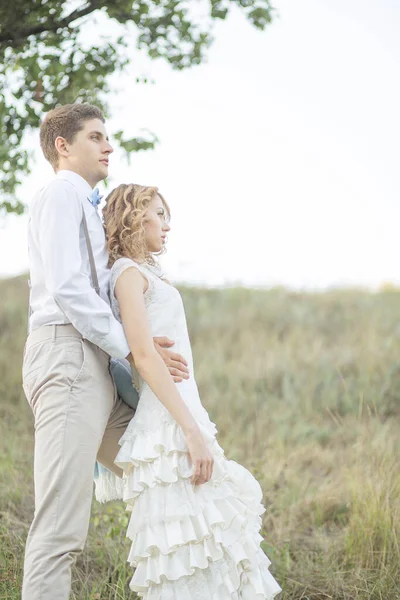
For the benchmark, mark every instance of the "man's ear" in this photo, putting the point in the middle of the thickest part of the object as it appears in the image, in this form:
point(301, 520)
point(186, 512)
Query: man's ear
point(61, 145)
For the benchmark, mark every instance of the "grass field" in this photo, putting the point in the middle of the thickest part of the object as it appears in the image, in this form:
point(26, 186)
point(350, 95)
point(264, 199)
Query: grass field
point(305, 391)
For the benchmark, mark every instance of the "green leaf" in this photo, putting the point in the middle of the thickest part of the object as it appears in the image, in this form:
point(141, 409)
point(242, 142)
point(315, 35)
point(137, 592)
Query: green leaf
point(45, 61)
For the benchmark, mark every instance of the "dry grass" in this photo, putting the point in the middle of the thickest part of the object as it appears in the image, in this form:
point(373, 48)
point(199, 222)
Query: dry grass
point(305, 391)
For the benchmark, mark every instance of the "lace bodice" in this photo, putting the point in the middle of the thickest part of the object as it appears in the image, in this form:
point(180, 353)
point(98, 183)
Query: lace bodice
point(164, 306)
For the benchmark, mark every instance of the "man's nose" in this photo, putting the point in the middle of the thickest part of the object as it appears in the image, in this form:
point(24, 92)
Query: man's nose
point(109, 149)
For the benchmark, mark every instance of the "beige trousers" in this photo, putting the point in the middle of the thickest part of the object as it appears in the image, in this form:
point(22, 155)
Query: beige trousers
point(78, 418)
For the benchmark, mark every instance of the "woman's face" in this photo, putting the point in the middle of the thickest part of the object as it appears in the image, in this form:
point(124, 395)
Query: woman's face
point(156, 225)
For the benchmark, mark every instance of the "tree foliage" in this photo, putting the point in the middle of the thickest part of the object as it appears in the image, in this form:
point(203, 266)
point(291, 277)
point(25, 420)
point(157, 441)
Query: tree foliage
point(45, 61)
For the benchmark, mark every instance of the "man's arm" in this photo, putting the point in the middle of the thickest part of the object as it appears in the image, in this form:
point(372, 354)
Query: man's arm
point(176, 364)
point(59, 221)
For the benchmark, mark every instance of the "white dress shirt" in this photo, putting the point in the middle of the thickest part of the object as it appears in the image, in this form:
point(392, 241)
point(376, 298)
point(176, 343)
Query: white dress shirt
point(61, 290)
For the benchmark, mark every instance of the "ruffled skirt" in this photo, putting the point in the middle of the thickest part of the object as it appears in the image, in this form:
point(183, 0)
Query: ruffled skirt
point(188, 542)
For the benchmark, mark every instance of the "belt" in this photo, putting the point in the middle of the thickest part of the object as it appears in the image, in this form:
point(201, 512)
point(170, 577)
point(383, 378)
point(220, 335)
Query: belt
point(48, 332)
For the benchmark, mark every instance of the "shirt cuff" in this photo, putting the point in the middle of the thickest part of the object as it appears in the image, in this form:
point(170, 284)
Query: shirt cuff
point(115, 344)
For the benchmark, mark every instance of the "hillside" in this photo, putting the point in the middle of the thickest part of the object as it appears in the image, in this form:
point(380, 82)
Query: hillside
point(305, 392)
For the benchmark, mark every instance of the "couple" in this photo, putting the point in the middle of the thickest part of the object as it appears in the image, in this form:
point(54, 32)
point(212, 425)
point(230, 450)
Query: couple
point(195, 516)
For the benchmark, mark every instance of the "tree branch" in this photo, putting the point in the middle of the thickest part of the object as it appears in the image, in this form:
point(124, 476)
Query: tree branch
point(15, 37)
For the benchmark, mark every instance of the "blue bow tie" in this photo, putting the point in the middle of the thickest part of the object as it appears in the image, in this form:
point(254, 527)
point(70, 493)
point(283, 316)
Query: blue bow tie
point(95, 197)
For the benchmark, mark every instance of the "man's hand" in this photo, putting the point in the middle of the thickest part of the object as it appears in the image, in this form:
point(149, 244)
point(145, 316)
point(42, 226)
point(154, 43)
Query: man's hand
point(176, 364)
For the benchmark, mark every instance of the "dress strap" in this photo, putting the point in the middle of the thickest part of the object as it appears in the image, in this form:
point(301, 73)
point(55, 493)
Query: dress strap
point(124, 263)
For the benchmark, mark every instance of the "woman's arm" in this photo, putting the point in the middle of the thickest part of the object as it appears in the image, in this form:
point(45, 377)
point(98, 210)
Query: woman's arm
point(129, 291)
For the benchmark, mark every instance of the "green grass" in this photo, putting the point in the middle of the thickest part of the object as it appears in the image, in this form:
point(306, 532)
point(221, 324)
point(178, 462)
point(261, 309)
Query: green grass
point(305, 391)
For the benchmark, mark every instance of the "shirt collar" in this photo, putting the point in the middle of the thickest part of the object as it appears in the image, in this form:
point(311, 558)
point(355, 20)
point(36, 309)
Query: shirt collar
point(76, 180)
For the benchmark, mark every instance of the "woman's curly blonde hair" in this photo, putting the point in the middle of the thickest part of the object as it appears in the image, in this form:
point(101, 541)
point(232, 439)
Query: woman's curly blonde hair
point(124, 219)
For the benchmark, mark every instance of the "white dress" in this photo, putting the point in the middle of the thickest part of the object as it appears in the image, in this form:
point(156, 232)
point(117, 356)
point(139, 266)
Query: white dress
point(188, 542)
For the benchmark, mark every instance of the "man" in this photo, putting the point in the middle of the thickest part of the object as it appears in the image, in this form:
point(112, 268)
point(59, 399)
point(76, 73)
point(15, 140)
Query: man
point(66, 376)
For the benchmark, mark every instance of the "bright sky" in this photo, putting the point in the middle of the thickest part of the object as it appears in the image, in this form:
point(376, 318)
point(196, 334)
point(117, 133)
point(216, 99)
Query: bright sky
point(279, 156)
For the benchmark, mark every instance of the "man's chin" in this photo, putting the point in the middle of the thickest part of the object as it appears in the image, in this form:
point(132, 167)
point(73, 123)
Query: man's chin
point(103, 173)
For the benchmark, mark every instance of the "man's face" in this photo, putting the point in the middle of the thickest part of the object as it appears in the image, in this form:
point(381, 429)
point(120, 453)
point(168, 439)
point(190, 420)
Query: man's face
point(89, 152)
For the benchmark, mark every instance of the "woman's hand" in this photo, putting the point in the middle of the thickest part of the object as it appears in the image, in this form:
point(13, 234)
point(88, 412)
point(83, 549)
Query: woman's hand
point(202, 459)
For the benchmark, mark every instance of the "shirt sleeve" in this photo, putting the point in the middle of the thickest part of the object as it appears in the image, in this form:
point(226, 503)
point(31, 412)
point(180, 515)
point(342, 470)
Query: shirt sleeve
point(59, 223)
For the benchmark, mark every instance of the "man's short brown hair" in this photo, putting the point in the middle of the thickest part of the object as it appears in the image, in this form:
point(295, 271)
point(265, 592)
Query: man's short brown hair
point(65, 121)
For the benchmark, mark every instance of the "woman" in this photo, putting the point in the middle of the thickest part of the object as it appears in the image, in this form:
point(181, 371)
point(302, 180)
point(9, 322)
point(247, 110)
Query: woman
point(196, 516)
